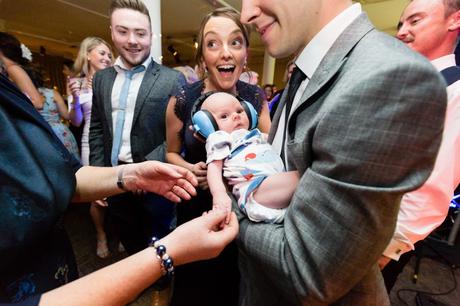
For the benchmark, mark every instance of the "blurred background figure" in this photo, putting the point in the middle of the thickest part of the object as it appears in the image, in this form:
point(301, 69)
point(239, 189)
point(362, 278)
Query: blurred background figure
point(94, 54)
point(54, 111)
point(273, 104)
point(269, 91)
point(15, 63)
point(190, 75)
point(250, 77)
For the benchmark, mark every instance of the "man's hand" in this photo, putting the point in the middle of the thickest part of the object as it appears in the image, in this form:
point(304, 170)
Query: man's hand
point(201, 238)
point(383, 261)
point(172, 182)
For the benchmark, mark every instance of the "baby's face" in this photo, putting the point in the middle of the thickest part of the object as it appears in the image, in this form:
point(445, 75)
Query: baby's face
point(227, 111)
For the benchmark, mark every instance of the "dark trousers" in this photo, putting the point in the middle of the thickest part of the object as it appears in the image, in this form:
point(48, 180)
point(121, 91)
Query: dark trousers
point(136, 218)
point(394, 268)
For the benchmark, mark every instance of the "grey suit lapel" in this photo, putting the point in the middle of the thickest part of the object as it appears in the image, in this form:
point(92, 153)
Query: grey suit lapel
point(277, 115)
point(151, 75)
point(335, 58)
point(107, 86)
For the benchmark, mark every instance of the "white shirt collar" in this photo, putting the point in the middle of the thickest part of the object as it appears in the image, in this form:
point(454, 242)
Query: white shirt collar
point(120, 65)
point(444, 62)
point(314, 52)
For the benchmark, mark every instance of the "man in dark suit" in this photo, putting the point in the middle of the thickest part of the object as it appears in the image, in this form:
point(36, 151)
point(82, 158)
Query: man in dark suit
point(363, 128)
point(128, 121)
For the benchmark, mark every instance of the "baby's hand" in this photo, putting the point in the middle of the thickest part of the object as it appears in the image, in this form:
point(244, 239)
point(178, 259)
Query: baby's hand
point(223, 202)
point(265, 136)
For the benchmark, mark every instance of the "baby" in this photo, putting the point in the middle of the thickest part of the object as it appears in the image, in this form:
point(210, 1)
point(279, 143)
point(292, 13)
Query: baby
point(247, 161)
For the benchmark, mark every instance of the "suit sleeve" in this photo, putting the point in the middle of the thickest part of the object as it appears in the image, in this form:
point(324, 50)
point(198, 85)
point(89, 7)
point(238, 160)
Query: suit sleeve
point(96, 133)
point(375, 137)
point(424, 209)
point(159, 153)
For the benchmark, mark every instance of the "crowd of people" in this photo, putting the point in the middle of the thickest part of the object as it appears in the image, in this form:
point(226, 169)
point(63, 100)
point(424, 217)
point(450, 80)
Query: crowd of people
point(223, 192)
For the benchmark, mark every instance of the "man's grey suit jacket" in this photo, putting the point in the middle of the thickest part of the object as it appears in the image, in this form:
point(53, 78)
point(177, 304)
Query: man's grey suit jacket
point(148, 131)
point(366, 132)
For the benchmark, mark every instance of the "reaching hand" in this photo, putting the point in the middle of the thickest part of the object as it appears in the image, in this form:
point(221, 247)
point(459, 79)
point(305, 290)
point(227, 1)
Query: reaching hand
point(201, 238)
point(172, 182)
point(383, 261)
point(200, 171)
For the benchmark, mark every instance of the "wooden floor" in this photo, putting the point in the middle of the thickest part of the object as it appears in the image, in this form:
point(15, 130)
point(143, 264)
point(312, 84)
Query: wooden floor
point(82, 235)
point(434, 276)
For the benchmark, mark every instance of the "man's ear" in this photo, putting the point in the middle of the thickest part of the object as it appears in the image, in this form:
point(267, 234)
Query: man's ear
point(454, 21)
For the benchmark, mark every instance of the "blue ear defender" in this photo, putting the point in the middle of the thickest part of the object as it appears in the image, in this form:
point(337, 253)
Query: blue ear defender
point(204, 123)
point(250, 112)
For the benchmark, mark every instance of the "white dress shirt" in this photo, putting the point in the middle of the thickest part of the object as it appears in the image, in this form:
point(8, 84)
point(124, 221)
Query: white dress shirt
point(310, 58)
point(120, 67)
point(424, 209)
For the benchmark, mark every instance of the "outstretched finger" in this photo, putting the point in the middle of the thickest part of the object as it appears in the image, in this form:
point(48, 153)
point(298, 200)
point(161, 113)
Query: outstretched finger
point(187, 186)
point(186, 174)
point(172, 197)
point(178, 193)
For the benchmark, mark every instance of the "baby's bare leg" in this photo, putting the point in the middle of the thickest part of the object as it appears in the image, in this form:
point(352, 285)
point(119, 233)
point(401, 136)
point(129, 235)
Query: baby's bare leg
point(276, 190)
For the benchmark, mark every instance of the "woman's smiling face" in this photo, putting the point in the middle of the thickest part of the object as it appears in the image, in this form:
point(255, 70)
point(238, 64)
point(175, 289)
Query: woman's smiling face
point(224, 53)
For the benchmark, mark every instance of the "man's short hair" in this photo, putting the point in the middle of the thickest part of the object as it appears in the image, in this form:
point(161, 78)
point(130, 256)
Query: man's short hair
point(135, 5)
point(451, 6)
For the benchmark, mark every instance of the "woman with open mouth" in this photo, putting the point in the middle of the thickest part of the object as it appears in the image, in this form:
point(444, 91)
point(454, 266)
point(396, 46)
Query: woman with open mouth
point(222, 51)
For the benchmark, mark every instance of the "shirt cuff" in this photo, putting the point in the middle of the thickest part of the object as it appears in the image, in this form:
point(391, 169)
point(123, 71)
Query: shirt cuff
point(396, 248)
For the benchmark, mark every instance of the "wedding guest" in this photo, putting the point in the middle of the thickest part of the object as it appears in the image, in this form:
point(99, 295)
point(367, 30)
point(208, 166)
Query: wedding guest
point(362, 122)
point(189, 73)
point(16, 58)
point(55, 111)
point(221, 55)
point(95, 54)
point(35, 254)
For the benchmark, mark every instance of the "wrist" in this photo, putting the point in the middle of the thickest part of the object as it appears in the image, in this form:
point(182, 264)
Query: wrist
point(166, 261)
point(120, 180)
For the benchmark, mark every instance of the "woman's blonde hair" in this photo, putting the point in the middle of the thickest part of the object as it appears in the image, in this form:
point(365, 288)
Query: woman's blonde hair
point(81, 65)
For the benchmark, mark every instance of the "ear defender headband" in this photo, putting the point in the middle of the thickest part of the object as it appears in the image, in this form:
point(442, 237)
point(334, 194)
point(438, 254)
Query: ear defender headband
point(204, 123)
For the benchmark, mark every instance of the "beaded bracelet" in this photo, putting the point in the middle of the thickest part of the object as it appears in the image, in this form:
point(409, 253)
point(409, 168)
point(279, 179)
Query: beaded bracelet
point(167, 264)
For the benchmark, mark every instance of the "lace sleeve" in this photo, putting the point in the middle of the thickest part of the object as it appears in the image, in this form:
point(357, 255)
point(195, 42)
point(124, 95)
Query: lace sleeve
point(180, 107)
point(251, 93)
